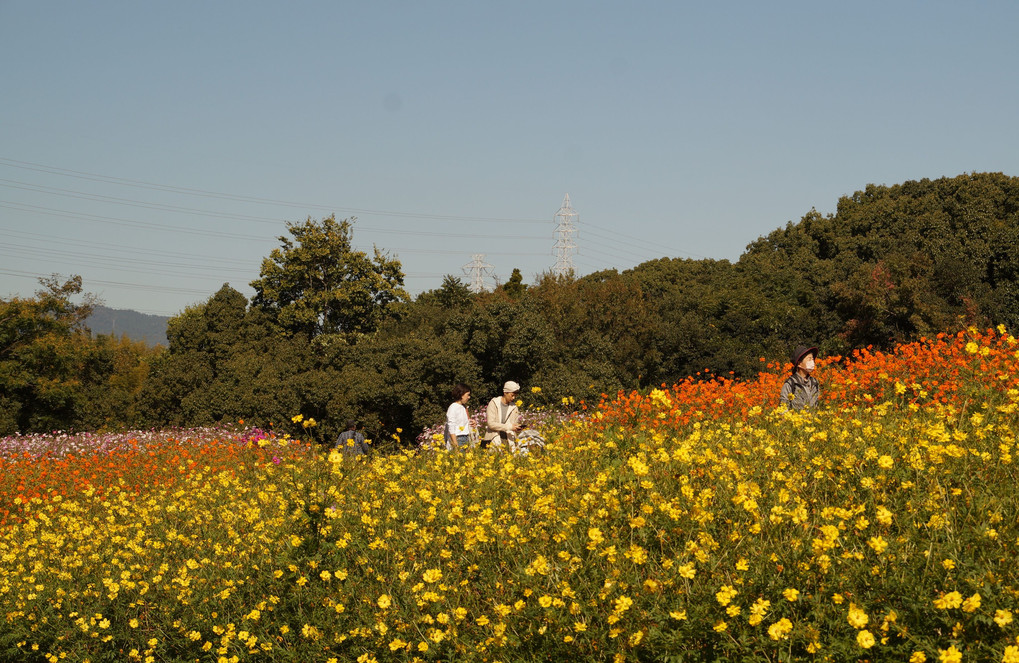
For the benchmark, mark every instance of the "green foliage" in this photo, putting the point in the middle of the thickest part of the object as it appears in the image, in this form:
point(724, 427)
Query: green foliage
point(912, 259)
point(113, 374)
point(316, 283)
point(453, 293)
point(54, 375)
point(515, 286)
point(331, 333)
point(40, 366)
point(227, 362)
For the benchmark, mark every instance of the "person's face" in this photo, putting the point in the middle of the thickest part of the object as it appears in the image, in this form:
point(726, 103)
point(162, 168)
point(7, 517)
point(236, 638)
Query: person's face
point(508, 397)
point(466, 397)
point(807, 363)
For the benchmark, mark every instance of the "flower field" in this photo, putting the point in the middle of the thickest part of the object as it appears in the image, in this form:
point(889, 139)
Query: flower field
point(695, 522)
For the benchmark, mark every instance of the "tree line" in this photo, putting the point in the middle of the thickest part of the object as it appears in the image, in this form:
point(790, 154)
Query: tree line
point(332, 334)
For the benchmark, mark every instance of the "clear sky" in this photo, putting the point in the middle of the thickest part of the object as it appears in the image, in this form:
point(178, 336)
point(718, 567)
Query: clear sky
point(157, 149)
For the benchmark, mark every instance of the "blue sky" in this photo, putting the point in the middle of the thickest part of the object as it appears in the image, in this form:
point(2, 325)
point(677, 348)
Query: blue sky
point(157, 149)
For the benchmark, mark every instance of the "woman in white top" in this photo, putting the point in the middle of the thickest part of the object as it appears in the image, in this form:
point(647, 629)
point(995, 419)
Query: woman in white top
point(458, 425)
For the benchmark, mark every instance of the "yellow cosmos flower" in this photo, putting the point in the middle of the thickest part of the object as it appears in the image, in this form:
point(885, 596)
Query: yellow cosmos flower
point(791, 594)
point(948, 601)
point(857, 618)
point(878, 544)
point(384, 601)
point(950, 655)
point(760, 607)
point(1002, 618)
point(725, 595)
point(865, 639)
point(780, 629)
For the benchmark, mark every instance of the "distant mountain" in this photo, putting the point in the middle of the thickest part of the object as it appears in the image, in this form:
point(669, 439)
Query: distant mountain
point(136, 326)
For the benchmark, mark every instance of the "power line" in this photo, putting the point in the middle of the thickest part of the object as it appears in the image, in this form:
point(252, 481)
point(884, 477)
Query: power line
point(65, 172)
point(565, 248)
point(118, 284)
point(24, 207)
point(653, 246)
point(121, 263)
point(54, 170)
point(132, 250)
point(241, 217)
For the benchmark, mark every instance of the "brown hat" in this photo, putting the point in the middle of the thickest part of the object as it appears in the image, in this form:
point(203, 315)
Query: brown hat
point(801, 352)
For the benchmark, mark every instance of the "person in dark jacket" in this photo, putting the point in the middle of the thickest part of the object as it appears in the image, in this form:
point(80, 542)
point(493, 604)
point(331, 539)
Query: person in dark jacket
point(351, 442)
point(801, 389)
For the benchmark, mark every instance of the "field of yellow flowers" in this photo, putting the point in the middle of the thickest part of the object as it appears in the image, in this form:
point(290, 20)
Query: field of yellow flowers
point(696, 522)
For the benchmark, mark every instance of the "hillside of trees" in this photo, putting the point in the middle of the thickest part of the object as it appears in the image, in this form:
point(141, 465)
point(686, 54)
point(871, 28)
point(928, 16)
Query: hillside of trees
point(122, 322)
point(332, 334)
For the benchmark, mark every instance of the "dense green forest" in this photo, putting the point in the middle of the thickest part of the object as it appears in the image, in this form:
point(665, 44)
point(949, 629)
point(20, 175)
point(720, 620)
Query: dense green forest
point(332, 334)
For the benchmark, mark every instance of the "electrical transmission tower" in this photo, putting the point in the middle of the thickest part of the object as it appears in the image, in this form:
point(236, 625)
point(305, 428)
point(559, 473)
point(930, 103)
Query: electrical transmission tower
point(476, 270)
point(564, 246)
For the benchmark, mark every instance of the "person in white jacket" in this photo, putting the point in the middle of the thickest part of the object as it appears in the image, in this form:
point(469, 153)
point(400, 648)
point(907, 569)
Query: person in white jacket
point(503, 416)
point(458, 424)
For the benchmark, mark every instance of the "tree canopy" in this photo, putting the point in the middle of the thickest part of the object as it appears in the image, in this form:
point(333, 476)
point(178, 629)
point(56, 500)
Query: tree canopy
point(332, 334)
point(317, 283)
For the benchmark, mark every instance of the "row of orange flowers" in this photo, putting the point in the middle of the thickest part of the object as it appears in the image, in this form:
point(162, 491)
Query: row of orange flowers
point(131, 462)
point(931, 372)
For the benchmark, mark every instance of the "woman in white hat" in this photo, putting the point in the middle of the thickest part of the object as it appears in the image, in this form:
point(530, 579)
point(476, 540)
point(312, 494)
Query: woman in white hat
point(503, 416)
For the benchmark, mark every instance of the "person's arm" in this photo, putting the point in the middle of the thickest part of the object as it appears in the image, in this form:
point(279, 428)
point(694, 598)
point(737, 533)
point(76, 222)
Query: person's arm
point(514, 419)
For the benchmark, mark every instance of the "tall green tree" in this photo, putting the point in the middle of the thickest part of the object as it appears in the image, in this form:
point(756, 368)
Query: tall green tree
point(515, 287)
point(318, 284)
point(41, 339)
point(226, 361)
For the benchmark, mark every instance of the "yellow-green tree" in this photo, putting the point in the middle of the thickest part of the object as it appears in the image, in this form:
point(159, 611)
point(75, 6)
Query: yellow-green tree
point(317, 283)
point(40, 362)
